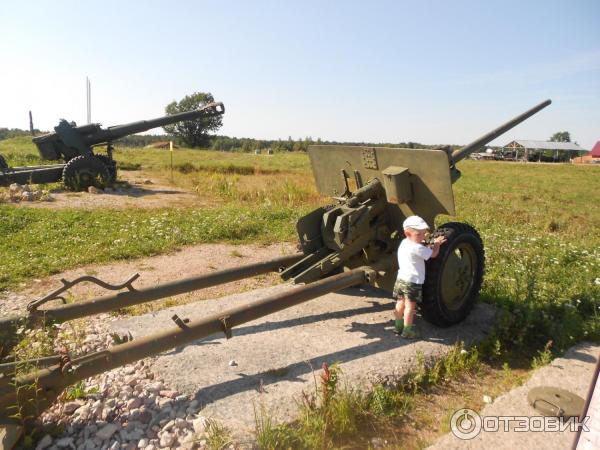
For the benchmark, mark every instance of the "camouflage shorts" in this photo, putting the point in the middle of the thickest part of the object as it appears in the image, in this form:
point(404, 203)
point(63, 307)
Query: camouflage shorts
point(412, 291)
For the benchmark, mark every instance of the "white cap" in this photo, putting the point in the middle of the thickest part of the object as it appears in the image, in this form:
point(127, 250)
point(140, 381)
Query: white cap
point(416, 223)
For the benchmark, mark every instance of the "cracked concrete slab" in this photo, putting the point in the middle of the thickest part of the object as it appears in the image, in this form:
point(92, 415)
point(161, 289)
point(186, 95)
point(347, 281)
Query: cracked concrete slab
point(277, 357)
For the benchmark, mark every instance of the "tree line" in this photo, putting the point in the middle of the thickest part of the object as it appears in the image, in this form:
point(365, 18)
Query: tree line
point(7, 133)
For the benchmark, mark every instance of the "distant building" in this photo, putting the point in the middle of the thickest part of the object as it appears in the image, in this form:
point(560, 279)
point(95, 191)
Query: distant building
point(592, 157)
point(525, 150)
point(487, 155)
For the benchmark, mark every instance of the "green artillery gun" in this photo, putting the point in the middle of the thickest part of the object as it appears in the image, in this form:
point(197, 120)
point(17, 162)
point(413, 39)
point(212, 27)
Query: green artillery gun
point(75, 146)
point(348, 243)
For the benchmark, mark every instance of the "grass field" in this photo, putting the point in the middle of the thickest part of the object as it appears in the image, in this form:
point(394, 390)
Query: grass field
point(539, 224)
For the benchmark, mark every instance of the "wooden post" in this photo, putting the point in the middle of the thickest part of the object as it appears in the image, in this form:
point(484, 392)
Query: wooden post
point(171, 152)
point(31, 124)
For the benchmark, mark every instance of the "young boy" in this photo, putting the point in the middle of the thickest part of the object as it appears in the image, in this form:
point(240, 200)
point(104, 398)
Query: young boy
point(408, 289)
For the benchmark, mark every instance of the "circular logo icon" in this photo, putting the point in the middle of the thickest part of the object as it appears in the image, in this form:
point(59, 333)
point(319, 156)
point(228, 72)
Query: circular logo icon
point(465, 424)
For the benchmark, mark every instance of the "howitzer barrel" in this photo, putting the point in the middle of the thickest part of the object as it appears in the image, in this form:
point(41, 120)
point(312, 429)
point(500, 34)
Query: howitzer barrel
point(36, 391)
point(465, 151)
point(119, 131)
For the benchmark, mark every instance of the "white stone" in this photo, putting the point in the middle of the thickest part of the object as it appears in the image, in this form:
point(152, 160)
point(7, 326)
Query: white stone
point(169, 393)
point(106, 412)
point(84, 412)
point(154, 387)
point(166, 440)
point(134, 403)
point(187, 441)
point(168, 425)
point(142, 443)
point(199, 425)
point(232, 363)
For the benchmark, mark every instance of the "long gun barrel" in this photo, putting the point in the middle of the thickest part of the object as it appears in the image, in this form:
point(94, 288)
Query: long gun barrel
point(119, 131)
point(465, 151)
point(70, 140)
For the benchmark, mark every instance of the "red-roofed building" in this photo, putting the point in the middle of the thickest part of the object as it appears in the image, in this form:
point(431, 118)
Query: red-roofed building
point(592, 157)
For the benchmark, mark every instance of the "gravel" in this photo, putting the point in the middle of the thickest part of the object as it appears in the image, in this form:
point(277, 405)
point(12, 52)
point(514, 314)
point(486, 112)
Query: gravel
point(126, 408)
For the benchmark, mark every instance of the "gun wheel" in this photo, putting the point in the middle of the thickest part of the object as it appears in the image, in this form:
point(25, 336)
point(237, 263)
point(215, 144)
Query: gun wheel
point(84, 171)
point(111, 165)
point(454, 278)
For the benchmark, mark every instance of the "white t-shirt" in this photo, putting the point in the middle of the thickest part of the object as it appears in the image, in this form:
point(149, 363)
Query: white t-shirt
point(411, 261)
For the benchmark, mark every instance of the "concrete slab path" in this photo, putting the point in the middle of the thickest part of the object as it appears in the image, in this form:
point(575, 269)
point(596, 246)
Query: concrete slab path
point(572, 372)
point(277, 357)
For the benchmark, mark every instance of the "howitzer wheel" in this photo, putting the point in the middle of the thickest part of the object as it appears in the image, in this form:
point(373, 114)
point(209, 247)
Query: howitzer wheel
point(111, 165)
point(454, 277)
point(84, 171)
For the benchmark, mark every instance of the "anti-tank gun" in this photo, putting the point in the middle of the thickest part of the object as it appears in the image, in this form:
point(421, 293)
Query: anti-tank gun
point(362, 228)
point(348, 243)
point(83, 167)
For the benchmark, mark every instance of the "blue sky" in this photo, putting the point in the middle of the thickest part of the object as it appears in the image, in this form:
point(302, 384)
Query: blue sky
point(429, 71)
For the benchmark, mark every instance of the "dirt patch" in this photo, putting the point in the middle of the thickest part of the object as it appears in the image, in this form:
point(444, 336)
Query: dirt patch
point(187, 262)
point(144, 191)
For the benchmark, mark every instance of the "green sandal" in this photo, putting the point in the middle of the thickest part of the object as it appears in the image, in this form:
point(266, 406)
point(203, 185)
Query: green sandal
point(409, 332)
point(398, 326)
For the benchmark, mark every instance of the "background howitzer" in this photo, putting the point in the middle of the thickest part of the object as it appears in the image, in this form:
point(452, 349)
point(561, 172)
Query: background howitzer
point(351, 242)
point(75, 146)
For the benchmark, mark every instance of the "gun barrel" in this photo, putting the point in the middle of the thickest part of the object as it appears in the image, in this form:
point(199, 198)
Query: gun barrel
point(119, 131)
point(465, 151)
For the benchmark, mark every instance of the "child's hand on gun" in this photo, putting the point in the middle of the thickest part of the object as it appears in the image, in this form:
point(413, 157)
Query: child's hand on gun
point(439, 240)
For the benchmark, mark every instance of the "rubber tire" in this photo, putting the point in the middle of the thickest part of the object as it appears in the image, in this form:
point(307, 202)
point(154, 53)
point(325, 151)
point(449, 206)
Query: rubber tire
point(111, 165)
point(3, 164)
point(433, 308)
point(84, 171)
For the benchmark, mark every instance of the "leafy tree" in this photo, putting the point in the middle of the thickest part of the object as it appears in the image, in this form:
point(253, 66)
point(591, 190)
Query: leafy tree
point(561, 136)
point(194, 132)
